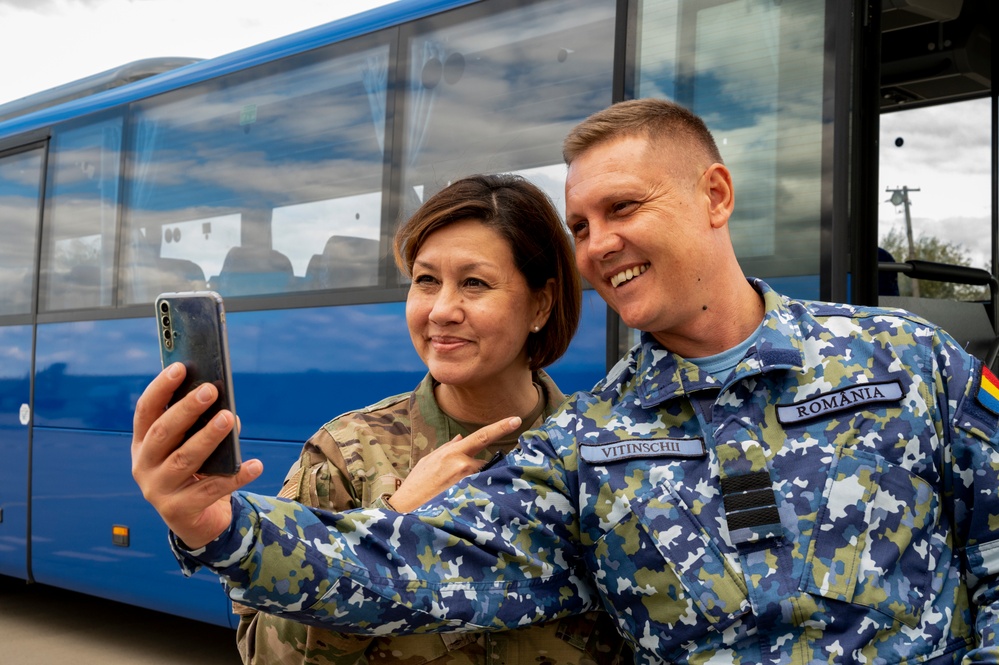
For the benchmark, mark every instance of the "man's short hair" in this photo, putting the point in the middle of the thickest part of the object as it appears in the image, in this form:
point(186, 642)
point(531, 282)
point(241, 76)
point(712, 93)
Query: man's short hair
point(660, 120)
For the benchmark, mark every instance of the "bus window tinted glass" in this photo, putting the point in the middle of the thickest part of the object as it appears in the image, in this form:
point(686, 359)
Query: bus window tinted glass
point(78, 239)
point(243, 183)
point(754, 71)
point(20, 184)
point(495, 93)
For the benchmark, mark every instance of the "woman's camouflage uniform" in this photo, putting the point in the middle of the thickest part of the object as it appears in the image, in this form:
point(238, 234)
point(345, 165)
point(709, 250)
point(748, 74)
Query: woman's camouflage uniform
point(358, 460)
point(835, 500)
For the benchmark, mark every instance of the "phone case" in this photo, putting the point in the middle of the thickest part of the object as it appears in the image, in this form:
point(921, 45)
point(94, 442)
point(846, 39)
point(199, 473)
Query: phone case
point(192, 330)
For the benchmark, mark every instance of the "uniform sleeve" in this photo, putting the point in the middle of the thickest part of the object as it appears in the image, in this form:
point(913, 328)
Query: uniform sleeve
point(319, 478)
point(249, 619)
point(973, 491)
point(498, 551)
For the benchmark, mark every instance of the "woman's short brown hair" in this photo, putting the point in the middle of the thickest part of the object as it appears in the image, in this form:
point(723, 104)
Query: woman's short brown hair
point(525, 216)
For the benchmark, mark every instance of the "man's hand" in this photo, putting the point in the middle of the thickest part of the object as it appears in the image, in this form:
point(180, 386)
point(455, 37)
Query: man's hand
point(448, 464)
point(196, 508)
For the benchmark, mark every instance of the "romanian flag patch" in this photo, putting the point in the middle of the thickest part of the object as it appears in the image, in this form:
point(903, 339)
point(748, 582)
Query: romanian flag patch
point(988, 391)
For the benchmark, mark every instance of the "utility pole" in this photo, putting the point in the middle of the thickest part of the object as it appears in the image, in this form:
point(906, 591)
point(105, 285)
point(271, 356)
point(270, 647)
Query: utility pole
point(900, 197)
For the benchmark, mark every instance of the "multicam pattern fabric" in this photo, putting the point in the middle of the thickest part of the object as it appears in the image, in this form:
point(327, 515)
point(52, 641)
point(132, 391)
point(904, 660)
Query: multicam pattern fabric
point(358, 460)
point(858, 427)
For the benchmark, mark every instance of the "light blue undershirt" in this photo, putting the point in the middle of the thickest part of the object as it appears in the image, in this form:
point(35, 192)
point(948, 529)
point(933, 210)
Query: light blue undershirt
point(720, 365)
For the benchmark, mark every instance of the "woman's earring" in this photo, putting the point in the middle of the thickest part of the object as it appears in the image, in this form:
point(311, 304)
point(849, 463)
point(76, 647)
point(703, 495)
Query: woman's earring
point(537, 328)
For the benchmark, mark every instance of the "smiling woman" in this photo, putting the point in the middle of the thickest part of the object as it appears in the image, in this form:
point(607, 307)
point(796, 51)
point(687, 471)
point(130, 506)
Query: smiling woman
point(470, 313)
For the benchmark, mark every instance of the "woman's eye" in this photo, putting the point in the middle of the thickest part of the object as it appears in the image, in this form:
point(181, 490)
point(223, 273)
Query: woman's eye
point(474, 282)
point(423, 279)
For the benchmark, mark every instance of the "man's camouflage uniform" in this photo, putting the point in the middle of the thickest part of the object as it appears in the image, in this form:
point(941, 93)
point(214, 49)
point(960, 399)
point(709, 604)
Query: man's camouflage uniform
point(835, 500)
point(358, 460)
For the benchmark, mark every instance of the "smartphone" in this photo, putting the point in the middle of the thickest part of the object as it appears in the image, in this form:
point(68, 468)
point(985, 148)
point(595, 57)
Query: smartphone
point(192, 330)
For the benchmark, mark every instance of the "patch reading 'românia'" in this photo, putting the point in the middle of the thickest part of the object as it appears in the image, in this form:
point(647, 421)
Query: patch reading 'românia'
point(843, 399)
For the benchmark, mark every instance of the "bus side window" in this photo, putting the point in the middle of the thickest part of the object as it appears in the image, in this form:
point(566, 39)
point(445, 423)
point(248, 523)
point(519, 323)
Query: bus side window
point(254, 270)
point(346, 262)
point(20, 182)
point(177, 275)
point(80, 229)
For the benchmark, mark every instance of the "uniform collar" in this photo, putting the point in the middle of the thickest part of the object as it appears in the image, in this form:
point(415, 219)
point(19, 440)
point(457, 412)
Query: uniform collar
point(429, 423)
point(662, 374)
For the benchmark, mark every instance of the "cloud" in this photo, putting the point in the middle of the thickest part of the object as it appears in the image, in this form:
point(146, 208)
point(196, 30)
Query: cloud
point(945, 155)
point(47, 6)
point(950, 138)
point(141, 29)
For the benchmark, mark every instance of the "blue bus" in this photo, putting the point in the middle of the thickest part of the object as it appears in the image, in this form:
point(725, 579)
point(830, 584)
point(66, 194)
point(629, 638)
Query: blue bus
point(277, 174)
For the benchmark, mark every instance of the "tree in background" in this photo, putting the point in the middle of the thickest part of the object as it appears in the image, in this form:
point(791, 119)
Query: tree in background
point(930, 248)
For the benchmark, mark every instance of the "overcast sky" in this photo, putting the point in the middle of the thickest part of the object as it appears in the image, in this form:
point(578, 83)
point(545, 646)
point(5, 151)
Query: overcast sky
point(44, 43)
point(945, 154)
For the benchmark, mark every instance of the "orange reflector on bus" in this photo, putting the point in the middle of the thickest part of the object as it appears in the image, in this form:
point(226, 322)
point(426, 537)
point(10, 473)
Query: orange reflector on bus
point(119, 535)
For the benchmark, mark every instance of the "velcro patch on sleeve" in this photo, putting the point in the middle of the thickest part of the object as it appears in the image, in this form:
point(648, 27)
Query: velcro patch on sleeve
point(988, 391)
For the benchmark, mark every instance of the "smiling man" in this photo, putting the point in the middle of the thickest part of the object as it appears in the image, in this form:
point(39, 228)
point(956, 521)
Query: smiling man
point(759, 480)
point(650, 220)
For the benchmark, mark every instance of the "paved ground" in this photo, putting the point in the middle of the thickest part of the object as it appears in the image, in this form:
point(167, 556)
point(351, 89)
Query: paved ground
point(40, 625)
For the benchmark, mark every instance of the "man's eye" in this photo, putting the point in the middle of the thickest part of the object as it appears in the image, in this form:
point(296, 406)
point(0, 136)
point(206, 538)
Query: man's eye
point(622, 206)
point(578, 229)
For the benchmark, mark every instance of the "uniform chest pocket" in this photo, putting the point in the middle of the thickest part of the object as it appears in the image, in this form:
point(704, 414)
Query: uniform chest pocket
point(666, 577)
point(875, 542)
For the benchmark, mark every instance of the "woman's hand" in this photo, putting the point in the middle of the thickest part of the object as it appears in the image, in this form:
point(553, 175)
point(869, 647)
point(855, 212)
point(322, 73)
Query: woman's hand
point(448, 464)
point(196, 508)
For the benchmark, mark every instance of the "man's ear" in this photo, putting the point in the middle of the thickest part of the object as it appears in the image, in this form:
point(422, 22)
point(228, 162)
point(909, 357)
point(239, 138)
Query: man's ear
point(721, 195)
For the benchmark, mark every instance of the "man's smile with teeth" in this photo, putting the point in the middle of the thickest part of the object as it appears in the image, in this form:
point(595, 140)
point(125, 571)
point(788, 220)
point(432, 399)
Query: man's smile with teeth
point(628, 274)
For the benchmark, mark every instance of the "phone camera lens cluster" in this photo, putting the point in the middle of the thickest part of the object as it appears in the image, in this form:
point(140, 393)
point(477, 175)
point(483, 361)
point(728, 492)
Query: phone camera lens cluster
point(165, 325)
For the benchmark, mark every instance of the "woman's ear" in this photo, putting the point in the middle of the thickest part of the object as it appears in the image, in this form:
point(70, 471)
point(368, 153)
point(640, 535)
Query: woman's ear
point(544, 301)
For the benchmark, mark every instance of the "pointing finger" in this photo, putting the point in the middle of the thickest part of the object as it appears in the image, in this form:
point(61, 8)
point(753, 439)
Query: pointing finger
point(478, 440)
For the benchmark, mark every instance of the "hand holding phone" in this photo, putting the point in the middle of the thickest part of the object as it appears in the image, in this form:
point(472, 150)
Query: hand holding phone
point(192, 330)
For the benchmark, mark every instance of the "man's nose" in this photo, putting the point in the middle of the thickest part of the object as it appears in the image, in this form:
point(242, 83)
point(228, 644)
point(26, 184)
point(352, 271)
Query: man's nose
point(602, 241)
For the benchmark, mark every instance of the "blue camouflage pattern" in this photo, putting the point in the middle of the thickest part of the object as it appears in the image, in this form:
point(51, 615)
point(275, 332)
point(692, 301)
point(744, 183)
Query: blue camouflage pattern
point(834, 500)
point(359, 459)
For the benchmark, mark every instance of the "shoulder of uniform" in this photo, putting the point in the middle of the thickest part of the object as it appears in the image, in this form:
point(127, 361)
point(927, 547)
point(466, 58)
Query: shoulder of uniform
point(578, 405)
point(385, 404)
point(820, 309)
point(372, 411)
point(622, 372)
point(381, 423)
point(871, 319)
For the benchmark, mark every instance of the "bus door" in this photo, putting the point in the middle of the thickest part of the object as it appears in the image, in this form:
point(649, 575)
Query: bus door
point(21, 173)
